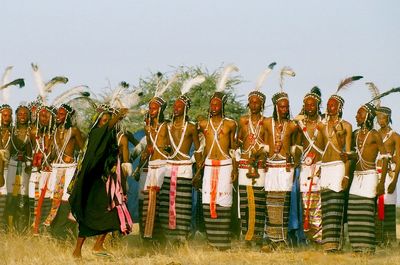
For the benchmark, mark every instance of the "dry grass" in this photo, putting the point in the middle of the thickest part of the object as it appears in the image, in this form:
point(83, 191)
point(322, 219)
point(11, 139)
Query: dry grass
point(16, 249)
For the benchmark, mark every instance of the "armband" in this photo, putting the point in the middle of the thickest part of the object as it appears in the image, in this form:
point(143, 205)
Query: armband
point(265, 148)
point(387, 156)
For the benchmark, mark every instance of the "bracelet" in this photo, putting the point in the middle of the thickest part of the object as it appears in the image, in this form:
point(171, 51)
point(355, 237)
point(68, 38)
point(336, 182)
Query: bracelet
point(346, 177)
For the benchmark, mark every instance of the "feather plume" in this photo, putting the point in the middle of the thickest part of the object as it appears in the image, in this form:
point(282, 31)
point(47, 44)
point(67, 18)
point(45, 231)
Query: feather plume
point(188, 84)
point(374, 92)
point(78, 91)
point(221, 84)
point(347, 82)
point(54, 81)
point(131, 99)
point(286, 71)
point(384, 94)
point(38, 79)
point(4, 78)
point(264, 75)
point(161, 89)
point(139, 148)
point(17, 82)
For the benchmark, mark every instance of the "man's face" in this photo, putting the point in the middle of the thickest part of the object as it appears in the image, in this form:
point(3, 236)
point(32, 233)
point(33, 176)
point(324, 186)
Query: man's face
point(154, 109)
point(361, 115)
point(333, 107)
point(179, 108)
point(61, 115)
point(383, 119)
point(255, 104)
point(44, 117)
point(215, 106)
point(310, 106)
point(6, 117)
point(22, 116)
point(104, 119)
point(283, 108)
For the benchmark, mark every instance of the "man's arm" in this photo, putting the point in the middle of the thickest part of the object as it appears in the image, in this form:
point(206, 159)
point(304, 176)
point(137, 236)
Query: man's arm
point(78, 137)
point(396, 160)
point(380, 189)
point(347, 148)
point(232, 134)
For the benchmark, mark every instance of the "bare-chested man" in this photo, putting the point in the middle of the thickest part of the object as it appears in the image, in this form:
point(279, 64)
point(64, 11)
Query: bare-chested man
point(252, 140)
point(334, 172)
point(219, 133)
point(157, 154)
point(311, 144)
point(5, 134)
point(176, 191)
point(66, 140)
point(386, 228)
point(42, 136)
point(366, 183)
point(281, 138)
point(19, 168)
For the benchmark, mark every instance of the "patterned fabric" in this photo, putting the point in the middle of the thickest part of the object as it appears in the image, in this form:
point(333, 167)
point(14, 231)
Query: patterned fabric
point(218, 230)
point(278, 204)
point(312, 216)
point(183, 208)
point(252, 212)
point(332, 219)
point(361, 220)
point(386, 229)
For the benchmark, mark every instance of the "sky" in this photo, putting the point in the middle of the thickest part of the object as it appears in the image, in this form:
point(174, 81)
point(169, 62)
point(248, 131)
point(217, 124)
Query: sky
point(102, 42)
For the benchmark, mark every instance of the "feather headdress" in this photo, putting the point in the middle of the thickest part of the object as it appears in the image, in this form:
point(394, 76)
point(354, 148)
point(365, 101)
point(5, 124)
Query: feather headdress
point(223, 79)
point(161, 89)
point(5, 84)
point(342, 85)
point(286, 71)
point(75, 92)
point(386, 93)
point(263, 76)
point(374, 92)
point(186, 86)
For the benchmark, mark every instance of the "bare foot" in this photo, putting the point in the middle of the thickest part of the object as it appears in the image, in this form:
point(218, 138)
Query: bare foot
point(77, 254)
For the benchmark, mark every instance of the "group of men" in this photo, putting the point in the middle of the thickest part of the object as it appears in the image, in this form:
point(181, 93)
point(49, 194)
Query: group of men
point(246, 171)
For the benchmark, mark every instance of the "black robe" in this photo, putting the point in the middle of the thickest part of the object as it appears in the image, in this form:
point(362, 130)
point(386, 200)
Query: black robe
point(89, 200)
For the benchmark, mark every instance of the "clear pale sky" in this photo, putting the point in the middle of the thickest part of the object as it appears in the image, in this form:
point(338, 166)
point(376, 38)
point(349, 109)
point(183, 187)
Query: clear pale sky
point(96, 42)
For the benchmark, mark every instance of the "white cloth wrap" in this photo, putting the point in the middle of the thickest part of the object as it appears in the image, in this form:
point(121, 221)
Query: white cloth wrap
point(156, 173)
point(364, 183)
point(184, 168)
point(143, 176)
point(11, 173)
point(56, 174)
point(40, 178)
point(332, 174)
point(3, 190)
point(277, 178)
point(245, 181)
point(224, 185)
point(305, 179)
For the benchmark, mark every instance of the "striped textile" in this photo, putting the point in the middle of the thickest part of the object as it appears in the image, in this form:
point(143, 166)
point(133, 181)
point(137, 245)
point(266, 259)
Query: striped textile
point(386, 230)
point(361, 221)
point(183, 207)
point(154, 222)
point(332, 219)
point(312, 216)
point(3, 199)
point(277, 217)
point(16, 212)
point(218, 229)
point(259, 213)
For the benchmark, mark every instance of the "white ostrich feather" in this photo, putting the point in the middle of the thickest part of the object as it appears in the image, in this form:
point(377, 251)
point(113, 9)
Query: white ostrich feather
point(188, 84)
point(161, 89)
point(131, 99)
point(67, 95)
point(139, 148)
point(48, 88)
point(6, 75)
point(286, 71)
point(221, 84)
point(264, 76)
point(38, 79)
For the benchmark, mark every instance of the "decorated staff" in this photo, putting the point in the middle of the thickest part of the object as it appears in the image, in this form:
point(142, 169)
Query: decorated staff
point(281, 132)
point(219, 132)
point(176, 191)
point(310, 143)
point(334, 172)
point(252, 140)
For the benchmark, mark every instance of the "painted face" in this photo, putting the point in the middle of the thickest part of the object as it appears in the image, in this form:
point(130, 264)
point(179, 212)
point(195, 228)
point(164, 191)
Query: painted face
point(179, 108)
point(61, 115)
point(332, 107)
point(255, 104)
point(383, 119)
point(154, 109)
point(283, 108)
point(310, 106)
point(104, 119)
point(215, 106)
point(6, 117)
point(361, 115)
point(44, 117)
point(22, 116)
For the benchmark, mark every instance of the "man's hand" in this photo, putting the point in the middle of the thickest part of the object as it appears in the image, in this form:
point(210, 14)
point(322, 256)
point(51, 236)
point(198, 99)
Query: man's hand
point(234, 175)
point(345, 183)
point(344, 156)
point(392, 187)
point(197, 181)
point(380, 189)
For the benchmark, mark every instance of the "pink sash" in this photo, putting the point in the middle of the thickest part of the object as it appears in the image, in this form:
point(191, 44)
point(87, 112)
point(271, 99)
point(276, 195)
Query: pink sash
point(172, 196)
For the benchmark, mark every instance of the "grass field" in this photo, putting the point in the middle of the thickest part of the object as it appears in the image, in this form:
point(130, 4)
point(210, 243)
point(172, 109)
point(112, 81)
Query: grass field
point(19, 249)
